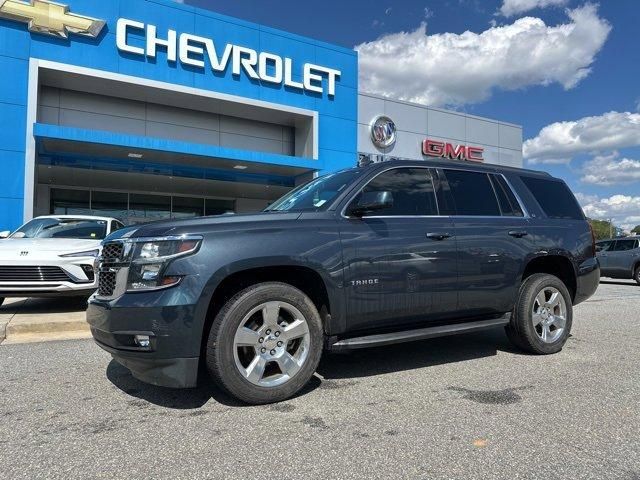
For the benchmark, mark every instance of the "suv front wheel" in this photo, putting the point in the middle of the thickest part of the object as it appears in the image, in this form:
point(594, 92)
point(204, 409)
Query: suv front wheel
point(636, 275)
point(542, 318)
point(265, 343)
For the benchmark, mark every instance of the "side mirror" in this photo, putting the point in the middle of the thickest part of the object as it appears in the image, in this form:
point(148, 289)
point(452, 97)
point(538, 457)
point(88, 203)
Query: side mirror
point(5, 234)
point(372, 201)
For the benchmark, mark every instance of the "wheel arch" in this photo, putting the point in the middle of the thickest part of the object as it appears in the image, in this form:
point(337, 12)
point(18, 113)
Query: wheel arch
point(557, 265)
point(309, 278)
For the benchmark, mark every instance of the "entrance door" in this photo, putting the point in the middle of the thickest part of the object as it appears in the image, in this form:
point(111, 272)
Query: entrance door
point(401, 260)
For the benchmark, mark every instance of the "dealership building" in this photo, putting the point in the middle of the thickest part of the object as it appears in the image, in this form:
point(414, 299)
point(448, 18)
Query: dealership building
point(148, 109)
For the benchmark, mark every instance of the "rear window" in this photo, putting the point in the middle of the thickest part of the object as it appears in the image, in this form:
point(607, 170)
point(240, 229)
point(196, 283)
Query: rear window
point(554, 197)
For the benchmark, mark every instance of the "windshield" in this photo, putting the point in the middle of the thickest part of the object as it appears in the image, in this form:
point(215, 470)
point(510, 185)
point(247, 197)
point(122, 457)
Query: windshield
point(316, 194)
point(62, 228)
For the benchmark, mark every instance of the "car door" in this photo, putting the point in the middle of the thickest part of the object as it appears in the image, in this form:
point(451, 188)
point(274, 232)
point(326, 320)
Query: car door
point(400, 262)
point(621, 257)
point(492, 238)
point(602, 254)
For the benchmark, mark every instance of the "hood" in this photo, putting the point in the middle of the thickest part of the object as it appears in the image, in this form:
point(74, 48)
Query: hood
point(38, 247)
point(202, 224)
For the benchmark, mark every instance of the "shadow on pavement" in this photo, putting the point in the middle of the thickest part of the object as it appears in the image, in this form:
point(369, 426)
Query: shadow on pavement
point(413, 355)
point(333, 367)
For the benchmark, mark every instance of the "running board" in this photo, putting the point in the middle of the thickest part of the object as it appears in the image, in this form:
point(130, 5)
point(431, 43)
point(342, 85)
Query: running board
point(419, 334)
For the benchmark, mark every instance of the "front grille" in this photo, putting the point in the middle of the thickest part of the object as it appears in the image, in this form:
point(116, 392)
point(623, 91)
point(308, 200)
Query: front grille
point(19, 273)
point(113, 251)
point(106, 282)
point(112, 260)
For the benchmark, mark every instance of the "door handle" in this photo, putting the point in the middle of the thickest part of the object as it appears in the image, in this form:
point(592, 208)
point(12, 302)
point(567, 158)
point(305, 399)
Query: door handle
point(438, 236)
point(518, 233)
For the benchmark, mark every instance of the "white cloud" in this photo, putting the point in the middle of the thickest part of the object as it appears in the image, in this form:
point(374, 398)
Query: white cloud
point(610, 170)
point(623, 209)
point(515, 7)
point(454, 69)
point(560, 141)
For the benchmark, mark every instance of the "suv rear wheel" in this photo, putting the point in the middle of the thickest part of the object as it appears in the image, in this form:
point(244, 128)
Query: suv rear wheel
point(265, 343)
point(542, 318)
point(636, 275)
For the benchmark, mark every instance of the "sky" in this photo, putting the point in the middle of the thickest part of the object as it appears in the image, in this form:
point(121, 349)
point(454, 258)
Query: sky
point(568, 71)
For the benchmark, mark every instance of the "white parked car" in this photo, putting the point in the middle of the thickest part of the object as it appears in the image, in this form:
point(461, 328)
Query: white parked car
point(52, 255)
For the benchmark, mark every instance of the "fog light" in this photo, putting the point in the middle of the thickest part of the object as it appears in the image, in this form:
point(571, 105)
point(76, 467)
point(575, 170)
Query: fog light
point(142, 341)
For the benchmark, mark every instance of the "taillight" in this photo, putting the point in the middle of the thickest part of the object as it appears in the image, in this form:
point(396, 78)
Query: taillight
point(593, 240)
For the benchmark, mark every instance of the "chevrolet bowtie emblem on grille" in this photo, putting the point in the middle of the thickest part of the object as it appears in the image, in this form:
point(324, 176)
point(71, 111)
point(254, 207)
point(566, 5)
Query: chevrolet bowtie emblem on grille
point(50, 18)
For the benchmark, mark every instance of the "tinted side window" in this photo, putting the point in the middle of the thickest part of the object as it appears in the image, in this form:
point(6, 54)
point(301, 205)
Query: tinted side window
point(116, 226)
point(603, 246)
point(624, 245)
point(554, 197)
point(472, 193)
point(508, 203)
point(411, 189)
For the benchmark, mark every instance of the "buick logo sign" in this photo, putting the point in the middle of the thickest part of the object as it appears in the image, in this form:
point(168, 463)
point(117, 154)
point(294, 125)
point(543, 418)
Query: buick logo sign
point(383, 132)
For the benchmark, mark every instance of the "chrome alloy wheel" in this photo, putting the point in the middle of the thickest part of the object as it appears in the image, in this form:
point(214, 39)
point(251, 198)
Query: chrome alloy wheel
point(549, 314)
point(271, 344)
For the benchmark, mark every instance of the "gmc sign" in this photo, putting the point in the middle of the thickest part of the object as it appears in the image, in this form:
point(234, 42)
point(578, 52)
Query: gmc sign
point(434, 148)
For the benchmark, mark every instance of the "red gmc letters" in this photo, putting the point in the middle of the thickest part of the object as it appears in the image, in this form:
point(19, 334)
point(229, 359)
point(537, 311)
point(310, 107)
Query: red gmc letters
point(434, 148)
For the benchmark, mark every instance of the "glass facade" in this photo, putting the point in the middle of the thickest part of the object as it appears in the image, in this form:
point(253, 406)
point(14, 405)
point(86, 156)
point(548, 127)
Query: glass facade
point(132, 208)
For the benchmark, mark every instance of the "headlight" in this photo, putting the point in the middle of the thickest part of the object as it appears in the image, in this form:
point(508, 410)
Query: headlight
point(87, 253)
point(150, 258)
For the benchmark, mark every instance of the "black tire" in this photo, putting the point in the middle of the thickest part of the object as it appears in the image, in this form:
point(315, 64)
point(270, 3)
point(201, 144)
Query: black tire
point(1, 301)
point(521, 331)
point(636, 274)
point(220, 354)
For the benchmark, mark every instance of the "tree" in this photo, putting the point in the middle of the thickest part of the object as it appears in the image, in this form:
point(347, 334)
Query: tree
point(602, 228)
point(636, 230)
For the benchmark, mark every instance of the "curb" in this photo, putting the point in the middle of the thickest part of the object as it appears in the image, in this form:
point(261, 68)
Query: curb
point(47, 337)
point(3, 330)
point(38, 320)
point(43, 327)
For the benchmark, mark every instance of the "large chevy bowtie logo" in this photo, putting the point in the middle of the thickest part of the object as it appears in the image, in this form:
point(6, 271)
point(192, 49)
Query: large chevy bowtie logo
point(50, 18)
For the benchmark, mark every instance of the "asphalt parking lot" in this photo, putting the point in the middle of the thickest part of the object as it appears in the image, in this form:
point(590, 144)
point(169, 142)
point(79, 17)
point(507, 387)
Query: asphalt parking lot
point(460, 407)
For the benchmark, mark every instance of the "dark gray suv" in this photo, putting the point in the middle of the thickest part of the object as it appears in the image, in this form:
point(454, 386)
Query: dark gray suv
point(370, 256)
point(620, 258)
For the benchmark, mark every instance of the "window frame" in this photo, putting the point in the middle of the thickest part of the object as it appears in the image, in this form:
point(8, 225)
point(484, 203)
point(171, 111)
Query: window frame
point(434, 180)
point(495, 183)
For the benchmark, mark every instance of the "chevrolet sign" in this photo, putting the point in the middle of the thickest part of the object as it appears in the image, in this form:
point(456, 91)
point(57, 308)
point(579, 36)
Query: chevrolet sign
point(50, 18)
point(192, 50)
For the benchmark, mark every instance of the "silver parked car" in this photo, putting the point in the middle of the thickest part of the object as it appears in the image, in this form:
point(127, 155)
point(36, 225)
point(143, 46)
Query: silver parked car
point(619, 257)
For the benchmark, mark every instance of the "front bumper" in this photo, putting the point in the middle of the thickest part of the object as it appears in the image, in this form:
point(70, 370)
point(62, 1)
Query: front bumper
point(172, 358)
point(163, 372)
point(73, 276)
